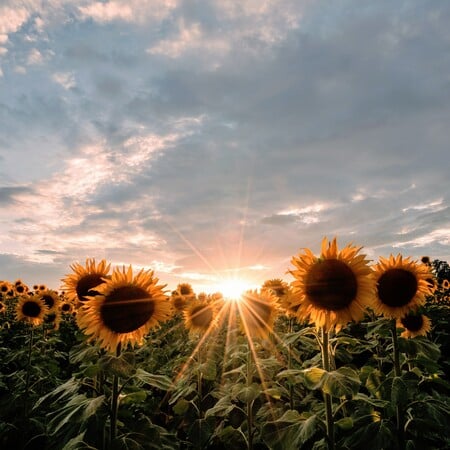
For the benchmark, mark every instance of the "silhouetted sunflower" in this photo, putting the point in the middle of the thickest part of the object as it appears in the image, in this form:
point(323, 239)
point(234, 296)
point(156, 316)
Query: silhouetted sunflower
point(401, 286)
point(333, 289)
point(199, 316)
point(82, 283)
point(258, 311)
point(414, 325)
point(125, 309)
point(31, 309)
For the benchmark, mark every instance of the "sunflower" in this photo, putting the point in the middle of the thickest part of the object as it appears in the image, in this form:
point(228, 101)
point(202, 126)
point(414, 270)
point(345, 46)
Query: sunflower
point(414, 325)
point(199, 316)
point(432, 284)
point(51, 299)
point(278, 287)
point(5, 287)
point(82, 283)
point(66, 307)
point(445, 284)
point(31, 309)
point(52, 320)
point(426, 260)
point(333, 289)
point(402, 286)
point(258, 313)
point(21, 288)
point(185, 289)
point(178, 301)
point(2, 308)
point(125, 308)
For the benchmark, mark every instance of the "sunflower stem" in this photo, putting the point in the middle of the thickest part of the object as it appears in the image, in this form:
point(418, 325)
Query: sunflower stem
point(249, 403)
point(27, 377)
point(327, 397)
point(291, 385)
point(398, 373)
point(114, 402)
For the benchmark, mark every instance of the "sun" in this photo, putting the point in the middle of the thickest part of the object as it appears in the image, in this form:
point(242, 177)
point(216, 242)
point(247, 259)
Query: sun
point(233, 288)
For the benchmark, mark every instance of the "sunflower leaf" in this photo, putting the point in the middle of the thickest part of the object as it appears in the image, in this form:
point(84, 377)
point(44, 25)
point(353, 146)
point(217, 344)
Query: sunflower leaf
point(341, 382)
point(158, 381)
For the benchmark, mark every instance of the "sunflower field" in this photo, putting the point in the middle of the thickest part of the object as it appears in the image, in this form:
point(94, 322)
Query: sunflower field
point(346, 354)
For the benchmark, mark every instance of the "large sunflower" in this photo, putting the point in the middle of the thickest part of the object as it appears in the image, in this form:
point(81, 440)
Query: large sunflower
point(414, 325)
point(31, 309)
point(401, 286)
point(125, 308)
point(199, 316)
point(258, 313)
point(82, 283)
point(333, 289)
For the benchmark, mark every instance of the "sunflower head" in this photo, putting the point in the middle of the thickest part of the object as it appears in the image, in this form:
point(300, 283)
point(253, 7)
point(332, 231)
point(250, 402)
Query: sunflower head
point(277, 286)
point(50, 298)
point(31, 309)
point(84, 280)
point(401, 286)
point(185, 289)
point(125, 309)
point(199, 317)
point(258, 311)
point(21, 288)
point(426, 260)
point(66, 307)
point(5, 287)
point(333, 289)
point(178, 302)
point(414, 324)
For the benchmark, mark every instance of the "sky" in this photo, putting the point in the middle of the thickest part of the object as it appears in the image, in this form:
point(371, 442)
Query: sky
point(218, 138)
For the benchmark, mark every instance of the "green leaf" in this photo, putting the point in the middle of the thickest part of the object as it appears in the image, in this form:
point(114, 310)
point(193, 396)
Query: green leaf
point(221, 409)
point(134, 397)
point(208, 371)
point(249, 393)
point(313, 377)
point(158, 381)
point(346, 423)
point(181, 407)
point(341, 382)
point(399, 392)
point(116, 366)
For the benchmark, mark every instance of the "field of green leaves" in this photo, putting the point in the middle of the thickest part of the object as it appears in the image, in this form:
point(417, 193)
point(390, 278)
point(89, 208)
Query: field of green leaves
point(278, 369)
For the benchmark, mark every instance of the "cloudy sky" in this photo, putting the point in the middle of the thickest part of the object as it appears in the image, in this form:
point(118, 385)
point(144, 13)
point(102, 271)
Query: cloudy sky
point(199, 138)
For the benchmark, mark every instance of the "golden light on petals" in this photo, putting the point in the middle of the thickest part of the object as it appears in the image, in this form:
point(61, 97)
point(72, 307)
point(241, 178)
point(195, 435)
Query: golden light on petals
point(333, 289)
point(199, 317)
point(84, 279)
point(125, 309)
point(414, 325)
point(31, 309)
point(401, 286)
point(258, 311)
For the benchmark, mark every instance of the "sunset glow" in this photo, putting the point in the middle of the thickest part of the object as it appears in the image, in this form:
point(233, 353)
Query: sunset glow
point(232, 289)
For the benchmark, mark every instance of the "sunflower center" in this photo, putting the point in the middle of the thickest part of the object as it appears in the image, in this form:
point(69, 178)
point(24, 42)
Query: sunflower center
point(65, 307)
point(31, 309)
point(331, 285)
point(126, 309)
point(201, 316)
point(48, 300)
point(412, 322)
point(397, 287)
point(86, 285)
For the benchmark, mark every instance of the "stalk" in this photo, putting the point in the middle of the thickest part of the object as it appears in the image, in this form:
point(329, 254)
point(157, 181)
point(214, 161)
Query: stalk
point(398, 373)
point(249, 403)
point(27, 377)
point(114, 402)
point(291, 385)
point(325, 347)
